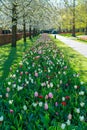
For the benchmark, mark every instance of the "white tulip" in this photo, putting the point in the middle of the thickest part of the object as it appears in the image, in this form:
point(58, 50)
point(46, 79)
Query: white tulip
point(81, 93)
point(68, 122)
point(75, 86)
point(0, 96)
point(9, 83)
point(34, 104)
point(1, 118)
point(63, 126)
point(40, 104)
point(81, 118)
point(78, 110)
point(63, 98)
point(51, 85)
point(25, 107)
point(82, 104)
point(19, 88)
point(10, 101)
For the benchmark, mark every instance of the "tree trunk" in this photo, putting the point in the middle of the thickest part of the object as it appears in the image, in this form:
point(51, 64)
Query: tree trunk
point(60, 30)
point(30, 32)
point(73, 28)
point(14, 26)
point(24, 30)
point(14, 37)
point(33, 32)
point(86, 29)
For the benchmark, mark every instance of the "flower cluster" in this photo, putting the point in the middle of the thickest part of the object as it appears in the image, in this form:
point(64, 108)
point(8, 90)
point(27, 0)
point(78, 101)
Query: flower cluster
point(43, 91)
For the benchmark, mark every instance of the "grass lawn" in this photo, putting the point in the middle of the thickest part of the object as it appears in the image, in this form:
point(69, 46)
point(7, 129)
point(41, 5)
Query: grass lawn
point(10, 57)
point(66, 34)
point(76, 60)
point(81, 39)
point(70, 34)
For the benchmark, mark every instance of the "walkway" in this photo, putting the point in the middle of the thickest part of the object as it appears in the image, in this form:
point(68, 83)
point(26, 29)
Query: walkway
point(78, 46)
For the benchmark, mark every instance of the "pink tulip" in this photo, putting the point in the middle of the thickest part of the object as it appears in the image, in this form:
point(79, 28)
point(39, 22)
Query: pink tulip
point(36, 94)
point(40, 52)
point(50, 95)
point(36, 74)
point(46, 97)
point(56, 104)
point(11, 111)
point(65, 67)
point(46, 106)
point(37, 57)
point(21, 73)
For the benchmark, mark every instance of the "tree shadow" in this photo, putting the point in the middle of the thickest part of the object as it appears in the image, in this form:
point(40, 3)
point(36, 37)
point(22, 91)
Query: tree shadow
point(8, 63)
point(31, 39)
point(11, 59)
point(25, 46)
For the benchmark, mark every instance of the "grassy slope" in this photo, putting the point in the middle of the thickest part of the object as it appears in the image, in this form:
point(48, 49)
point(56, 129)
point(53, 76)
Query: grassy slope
point(76, 60)
point(10, 57)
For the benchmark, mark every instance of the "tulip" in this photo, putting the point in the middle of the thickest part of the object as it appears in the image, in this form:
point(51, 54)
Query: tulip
point(46, 106)
point(11, 111)
point(36, 74)
point(50, 95)
point(36, 94)
point(1, 118)
point(69, 116)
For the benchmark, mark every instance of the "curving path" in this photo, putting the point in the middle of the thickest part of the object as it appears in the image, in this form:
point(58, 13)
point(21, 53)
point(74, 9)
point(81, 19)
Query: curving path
point(78, 46)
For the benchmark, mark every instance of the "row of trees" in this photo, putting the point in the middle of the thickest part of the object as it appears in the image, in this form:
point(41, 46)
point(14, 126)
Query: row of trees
point(71, 15)
point(27, 15)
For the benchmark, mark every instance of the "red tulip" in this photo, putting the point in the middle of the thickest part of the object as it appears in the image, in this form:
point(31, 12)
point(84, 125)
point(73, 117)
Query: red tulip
point(40, 96)
point(67, 97)
point(64, 103)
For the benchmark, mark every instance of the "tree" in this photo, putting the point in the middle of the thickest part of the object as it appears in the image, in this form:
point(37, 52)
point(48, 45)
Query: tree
point(13, 9)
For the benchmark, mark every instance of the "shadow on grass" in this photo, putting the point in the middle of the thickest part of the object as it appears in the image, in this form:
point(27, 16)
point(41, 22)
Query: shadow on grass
point(7, 64)
point(25, 46)
point(13, 57)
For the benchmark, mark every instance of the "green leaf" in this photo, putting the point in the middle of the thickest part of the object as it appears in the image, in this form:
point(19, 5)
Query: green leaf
point(13, 128)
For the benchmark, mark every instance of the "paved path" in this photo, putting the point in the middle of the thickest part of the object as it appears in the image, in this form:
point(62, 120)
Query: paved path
point(78, 46)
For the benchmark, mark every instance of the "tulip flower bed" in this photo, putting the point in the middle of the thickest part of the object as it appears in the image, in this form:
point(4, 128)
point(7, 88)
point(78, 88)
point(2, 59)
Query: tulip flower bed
point(43, 92)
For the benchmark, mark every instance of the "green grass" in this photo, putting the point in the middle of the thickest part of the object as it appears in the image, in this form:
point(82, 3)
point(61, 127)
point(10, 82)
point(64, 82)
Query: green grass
point(75, 38)
point(76, 60)
point(70, 34)
point(10, 57)
point(81, 40)
point(66, 34)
